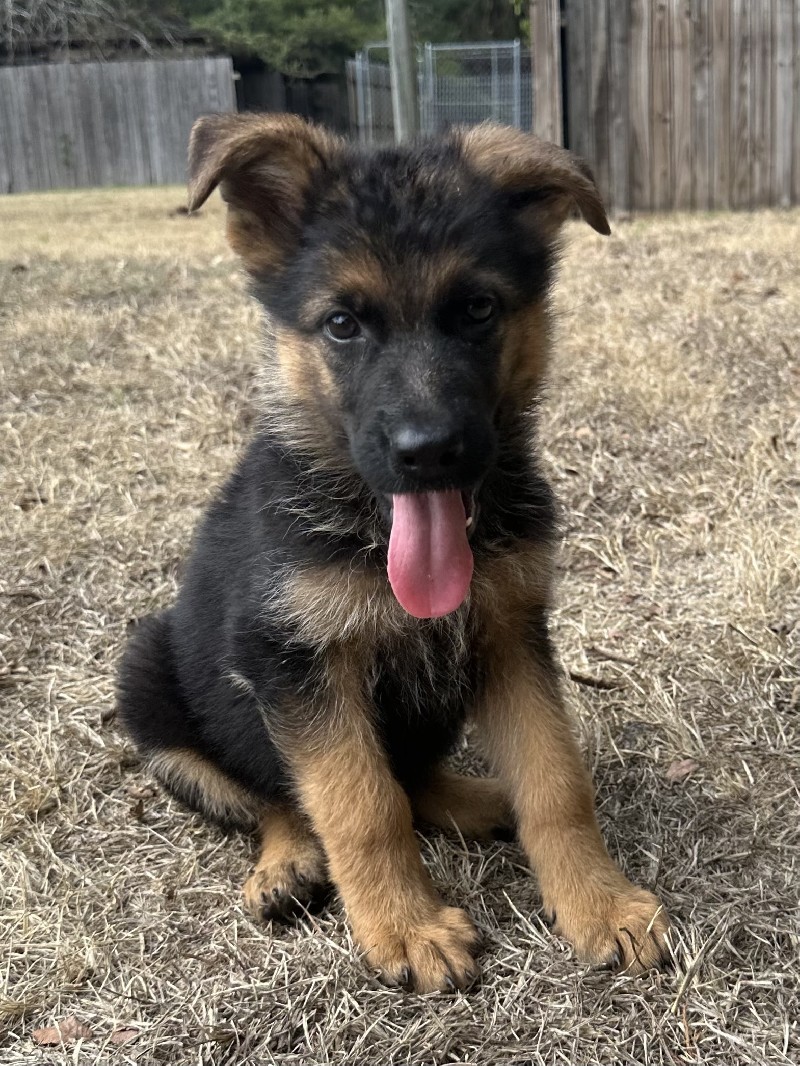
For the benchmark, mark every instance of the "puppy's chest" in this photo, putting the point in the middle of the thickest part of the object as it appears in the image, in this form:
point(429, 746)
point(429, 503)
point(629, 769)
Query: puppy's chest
point(428, 670)
point(422, 686)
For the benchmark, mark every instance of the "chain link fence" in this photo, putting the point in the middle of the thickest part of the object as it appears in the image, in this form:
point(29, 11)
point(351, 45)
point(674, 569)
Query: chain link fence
point(458, 84)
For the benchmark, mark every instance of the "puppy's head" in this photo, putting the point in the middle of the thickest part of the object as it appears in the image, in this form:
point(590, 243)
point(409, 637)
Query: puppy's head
point(407, 295)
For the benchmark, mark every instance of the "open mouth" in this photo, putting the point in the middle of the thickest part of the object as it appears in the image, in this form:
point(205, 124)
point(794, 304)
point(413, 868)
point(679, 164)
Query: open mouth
point(470, 509)
point(430, 560)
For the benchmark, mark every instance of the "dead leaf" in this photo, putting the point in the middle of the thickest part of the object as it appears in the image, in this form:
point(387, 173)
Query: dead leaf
point(679, 769)
point(66, 1031)
point(142, 792)
point(123, 1036)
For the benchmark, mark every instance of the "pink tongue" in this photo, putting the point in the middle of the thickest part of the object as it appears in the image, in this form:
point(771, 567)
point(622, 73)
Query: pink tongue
point(430, 561)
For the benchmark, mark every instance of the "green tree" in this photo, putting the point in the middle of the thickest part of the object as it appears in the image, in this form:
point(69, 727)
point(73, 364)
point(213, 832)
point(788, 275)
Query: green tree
point(468, 20)
point(308, 37)
point(296, 37)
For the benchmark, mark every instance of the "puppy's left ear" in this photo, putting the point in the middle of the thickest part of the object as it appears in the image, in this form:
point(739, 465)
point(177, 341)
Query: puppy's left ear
point(543, 179)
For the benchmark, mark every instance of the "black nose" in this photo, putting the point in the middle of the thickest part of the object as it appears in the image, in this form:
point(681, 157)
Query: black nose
point(426, 450)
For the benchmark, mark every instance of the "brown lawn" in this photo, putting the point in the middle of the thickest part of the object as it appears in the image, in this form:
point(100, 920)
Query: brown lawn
point(671, 430)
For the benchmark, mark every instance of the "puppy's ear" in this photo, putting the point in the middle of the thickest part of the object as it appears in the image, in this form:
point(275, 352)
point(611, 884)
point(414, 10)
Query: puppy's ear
point(544, 180)
point(264, 165)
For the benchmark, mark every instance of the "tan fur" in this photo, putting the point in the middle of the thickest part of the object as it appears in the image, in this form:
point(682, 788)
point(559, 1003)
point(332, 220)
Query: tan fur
point(291, 864)
point(520, 162)
point(215, 793)
point(264, 165)
point(476, 807)
point(363, 818)
point(529, 741)
point(357, 274)
point(306, 372)
point(526, 348)
point(333, 603)
point(508, 583)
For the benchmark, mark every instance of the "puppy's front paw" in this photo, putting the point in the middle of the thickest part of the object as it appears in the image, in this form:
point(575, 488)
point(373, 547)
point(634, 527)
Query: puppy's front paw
point(435, 954)
point(624, 928)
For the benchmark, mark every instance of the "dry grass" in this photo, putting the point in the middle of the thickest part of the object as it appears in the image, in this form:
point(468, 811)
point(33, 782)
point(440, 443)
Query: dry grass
point(672, 437)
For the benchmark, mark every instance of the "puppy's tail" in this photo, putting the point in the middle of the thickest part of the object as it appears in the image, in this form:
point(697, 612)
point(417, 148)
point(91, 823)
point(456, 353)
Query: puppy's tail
point(153, 711)
point(148, 697)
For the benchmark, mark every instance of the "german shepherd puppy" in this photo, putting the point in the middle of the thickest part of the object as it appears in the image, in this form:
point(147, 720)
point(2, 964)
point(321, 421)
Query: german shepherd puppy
point(377, 570)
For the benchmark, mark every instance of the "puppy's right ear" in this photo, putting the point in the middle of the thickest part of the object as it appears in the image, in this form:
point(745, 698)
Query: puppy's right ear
point(264, 165)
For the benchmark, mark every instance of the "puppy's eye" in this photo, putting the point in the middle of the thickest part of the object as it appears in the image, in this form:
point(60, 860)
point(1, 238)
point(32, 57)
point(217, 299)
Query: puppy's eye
point(340, 326)
point(479, 309)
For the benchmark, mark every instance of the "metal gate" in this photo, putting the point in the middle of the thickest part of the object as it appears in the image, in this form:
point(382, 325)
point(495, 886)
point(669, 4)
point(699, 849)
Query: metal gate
point(458, 84)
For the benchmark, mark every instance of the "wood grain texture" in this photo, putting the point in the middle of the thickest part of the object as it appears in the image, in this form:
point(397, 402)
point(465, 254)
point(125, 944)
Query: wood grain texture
point(641, 134)
point(741, 132)
point(619, 120)
point(545, 20)
point(760, 101)
point(721, 80)
point(682, 93)
point(702, 106)
point(124, 123)
point(796, 106)
point(661, 106)
point(783, 104)
point(580, 138)
point(687, 104)
point(598, 53)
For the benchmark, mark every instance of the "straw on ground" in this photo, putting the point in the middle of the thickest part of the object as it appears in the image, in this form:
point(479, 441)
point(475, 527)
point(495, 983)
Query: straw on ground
point(129, 354)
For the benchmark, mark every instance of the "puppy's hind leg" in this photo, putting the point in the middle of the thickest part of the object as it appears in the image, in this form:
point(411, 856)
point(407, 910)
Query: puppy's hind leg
point(152, 709)
point(291, 872)
point(477, 807)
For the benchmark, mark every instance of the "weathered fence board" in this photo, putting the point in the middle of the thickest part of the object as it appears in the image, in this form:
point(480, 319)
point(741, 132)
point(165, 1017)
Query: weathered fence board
point(721, 161)
point(796, 107)
point(702, 105)
point(661, 107)
point(597, 31)
point(740, 105)
point(641, 157)
point(760, 98)
point(68, 125)
point(619, 131)
point(546, 69)
point(683, 103)
point(682, 97)
point(782, 174)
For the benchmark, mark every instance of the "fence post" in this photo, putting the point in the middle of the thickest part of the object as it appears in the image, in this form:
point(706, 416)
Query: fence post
point(495, 86)
point(517, 99)
point(428, 93)
point(545, 19)
point(403, 68)
point(368, 110)
point(361, 111)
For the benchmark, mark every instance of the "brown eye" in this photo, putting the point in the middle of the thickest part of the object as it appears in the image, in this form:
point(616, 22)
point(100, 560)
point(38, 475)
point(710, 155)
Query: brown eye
point(479, 309)
point(341, 327)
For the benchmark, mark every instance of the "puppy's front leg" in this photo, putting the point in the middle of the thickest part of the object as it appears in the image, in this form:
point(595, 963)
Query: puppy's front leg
point(528, 738)
point(363, 818)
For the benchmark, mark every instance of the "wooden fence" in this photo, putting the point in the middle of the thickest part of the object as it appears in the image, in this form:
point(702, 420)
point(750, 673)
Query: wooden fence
point(689, 104)
point(122, 123)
